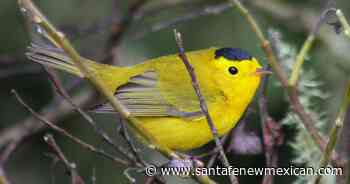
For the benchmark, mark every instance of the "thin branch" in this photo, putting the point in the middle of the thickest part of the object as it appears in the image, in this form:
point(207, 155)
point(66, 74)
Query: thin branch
point(68, 135)
point(202, 103)
point(193, 14)
point(135, 157)
point(300, 58)
point(271, 135)
point(306, 48)
point(294, 101)
point(119, 29)
point(53, 165)
point(10, 148)
point(216, 152)
point(272, 132)
point(63, 93)
point(195, 10)
point(124, 132)
point(76, 178)
point(344, 22)
point(335, 131)
point(301, 19)
point(166, 6)
point(54, 111)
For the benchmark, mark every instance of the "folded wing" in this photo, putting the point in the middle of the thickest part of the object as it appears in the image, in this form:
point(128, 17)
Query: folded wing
point(142, 97)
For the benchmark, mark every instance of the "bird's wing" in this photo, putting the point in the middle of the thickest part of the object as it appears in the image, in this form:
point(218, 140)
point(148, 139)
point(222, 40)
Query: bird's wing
point(142, 96)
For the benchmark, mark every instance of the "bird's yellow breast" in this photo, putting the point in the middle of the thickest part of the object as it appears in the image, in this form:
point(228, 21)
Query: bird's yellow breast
point(186, 134)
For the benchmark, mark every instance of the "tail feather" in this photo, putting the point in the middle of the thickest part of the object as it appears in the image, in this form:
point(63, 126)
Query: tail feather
point(52, 57)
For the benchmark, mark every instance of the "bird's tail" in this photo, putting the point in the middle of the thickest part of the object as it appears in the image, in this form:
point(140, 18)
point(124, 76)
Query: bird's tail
point(52, 57)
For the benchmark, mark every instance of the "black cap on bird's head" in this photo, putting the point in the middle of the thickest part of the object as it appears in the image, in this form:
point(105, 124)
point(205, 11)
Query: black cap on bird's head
point(234, 54)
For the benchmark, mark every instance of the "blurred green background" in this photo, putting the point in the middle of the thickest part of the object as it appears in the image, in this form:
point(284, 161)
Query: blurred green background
point(30, 164)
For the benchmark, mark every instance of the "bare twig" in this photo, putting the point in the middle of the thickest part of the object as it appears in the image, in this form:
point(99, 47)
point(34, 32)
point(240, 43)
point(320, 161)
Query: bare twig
point(7, 152)
point(55, 160)
point(202, 103)
point(55, 110)
point(196, 13)
point(335, 131)
point(344, 22)
point(216, 152)
point(300, 59)
point(119, 29)
point(124, 132)
point(68, 135)
point(292, 93)
point(63, 93)
point(135, 15)
point(57, 84)
point(271, 136)
point(136, 153)
point(306, 47)
point(135, 157)
point(301, 19)
point(76, 178)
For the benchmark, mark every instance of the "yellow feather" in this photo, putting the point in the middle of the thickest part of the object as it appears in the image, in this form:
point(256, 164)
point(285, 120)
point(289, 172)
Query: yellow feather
point(227, 95)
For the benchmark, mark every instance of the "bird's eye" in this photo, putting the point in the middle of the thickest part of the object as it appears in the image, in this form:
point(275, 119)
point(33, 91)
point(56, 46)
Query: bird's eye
point(233, 70)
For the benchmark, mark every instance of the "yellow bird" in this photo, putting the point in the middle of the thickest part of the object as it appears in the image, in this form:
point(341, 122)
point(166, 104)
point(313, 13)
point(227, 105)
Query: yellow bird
point(159, 93)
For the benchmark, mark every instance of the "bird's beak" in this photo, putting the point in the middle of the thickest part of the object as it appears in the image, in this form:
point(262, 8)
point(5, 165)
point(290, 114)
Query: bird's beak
point(261, 72)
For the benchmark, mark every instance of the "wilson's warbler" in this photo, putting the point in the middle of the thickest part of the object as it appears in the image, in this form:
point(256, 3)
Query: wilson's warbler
point(159, 93)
